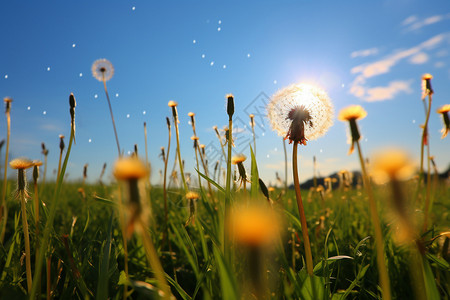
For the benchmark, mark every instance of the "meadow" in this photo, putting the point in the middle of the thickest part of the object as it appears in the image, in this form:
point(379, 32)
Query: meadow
point(379, 233)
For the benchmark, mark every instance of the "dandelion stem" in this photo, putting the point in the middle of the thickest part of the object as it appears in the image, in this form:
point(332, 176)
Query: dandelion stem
point(26, 236)
point(425, 137)
point(166, 161)
point(384, 277)
point(228, 188)
point(301, 211)
point(175, 118)
point(285, 167)
point(112, 116)
point(3, 208)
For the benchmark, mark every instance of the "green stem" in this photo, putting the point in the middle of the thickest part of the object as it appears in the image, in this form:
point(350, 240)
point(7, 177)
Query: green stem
point(179, 155)
point(3, 208)
point(226, 241)
point(111, 112)
point(50, 220)
point(26, 237)
point(384, 277)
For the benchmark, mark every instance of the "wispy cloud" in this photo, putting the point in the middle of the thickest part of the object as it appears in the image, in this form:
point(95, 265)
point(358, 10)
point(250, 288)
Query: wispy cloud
point(414, 23)
point(415, 55)
point(381, 93)
point(364, 53)
point(419, 58)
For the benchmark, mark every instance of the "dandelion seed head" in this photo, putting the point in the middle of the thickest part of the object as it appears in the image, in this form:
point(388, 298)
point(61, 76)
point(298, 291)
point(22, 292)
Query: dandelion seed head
point(102, 69)
point(352, 112)
point(21, 163)
point(301, 100)
point(130, 168)
point(191, 114)
point(37, 163)
point(427, 76)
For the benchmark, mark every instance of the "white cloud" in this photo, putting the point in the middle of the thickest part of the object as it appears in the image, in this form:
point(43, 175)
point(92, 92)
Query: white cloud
point(381, 93)
point(413, 23)
point(409, 20)
point(415, 55)
point(439, 64)
point(364, 53)
point(419, 58)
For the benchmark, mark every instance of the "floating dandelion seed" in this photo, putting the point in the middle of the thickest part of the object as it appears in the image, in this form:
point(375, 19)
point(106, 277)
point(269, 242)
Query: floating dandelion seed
point(90, 140)
point(248, 55)
point(220, 22)
point(44, 112)
point(48, 68)
point(102, 69)
point(144, 112)
point(29, 107)
point(212, 63)
point(275, 82)
point(224, 66)
point(443, 110)
point(117, 95)
point(203, 55)
point(133, 8)
point(81, 75)
point(219, 29)
point(194, 42)
point(6, 76)
point(300, 112)
point(73, 45)
point(95, 96)
point(128, 116)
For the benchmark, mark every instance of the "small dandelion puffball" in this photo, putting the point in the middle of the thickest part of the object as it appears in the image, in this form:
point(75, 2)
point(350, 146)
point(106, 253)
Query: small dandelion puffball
point(300, 112)
point(102, 69)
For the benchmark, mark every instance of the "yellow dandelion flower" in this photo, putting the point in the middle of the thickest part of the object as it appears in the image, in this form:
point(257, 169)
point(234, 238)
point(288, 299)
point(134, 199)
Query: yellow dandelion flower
point(392, 164)
point(254, 226)
point(238, 159)
point(130, 168)
point(192, 195)
point(102, 69)
point(172, 103)
point(190, 114)
point(352, 112)
point(21, 163)
point(443, 110)
point(300, 112)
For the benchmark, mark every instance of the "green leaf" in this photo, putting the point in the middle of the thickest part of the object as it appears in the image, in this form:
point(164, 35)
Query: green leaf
point(313, 287)
point(430, 282)
point(228, 283)
point(319, 269)
point(360, 275)
point(211, 181)
point(102, 287)
point(441, 263)
point(254, 176)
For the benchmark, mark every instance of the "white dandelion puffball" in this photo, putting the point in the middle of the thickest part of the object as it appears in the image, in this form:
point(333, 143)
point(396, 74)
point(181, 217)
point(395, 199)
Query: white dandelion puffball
point(102, 69)
point(310, 103)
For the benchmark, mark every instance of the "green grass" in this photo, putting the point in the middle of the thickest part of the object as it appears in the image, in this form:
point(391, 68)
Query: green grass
point(91, 264)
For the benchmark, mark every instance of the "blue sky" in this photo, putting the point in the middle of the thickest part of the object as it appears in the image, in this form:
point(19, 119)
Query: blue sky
point(368, 53)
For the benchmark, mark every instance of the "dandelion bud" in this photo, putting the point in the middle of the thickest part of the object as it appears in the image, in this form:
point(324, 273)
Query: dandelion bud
point(230, 105)
point(135, 150)
point(37, 164)
point(163, 153)
point(264, 189)
point(85, 171)
point(168, 122)
point(2, 142)
point(61, 142)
